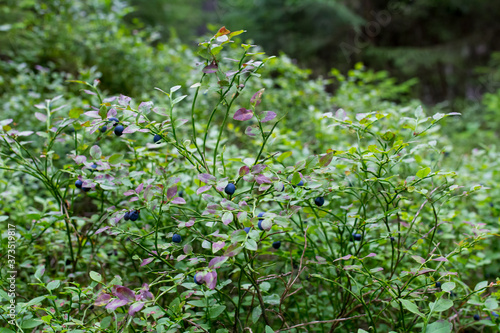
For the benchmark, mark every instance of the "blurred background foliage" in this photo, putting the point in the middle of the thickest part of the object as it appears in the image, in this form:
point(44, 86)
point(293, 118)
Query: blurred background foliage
point(441, 53)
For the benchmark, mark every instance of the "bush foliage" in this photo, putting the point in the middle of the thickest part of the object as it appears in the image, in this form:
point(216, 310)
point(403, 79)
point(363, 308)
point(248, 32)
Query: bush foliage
point(350, 211)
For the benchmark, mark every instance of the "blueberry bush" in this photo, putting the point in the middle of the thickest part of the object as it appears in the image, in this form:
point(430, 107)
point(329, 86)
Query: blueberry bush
point(213, 208)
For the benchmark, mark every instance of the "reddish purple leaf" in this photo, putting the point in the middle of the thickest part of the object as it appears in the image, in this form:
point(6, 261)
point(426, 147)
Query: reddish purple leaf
point(123, 293)
point(210, 69)
point(206, 178)
point(243, 114)
point(124, 100)
point(134, 308)
point(203, 189)
point(261, 179)
point(101, 230)
point(347, 257)
point(178, 201)
point(211, 279)
point(258, 168)
point(144, 293)
point(112, 113)
point(257, 97)
point(217, 262)
point(440, 259)
point(102, 299)
point(217, 246)
point(252, 130)
point(171, 192)
point(146, 261)
point(139, 188)
point(115, 304)
point(244, 170)
point(269, 115)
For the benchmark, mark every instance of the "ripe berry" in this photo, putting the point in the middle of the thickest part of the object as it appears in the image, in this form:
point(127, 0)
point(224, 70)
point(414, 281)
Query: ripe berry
point(196, 280)
point(260, 225)
point(103, 129)
point(86, 189)
point(119, 130)
point(114, 120)
point(156, 138)
point(134, 216)
point(176, 238)
point(477, 317)
point(438, 284)
point(356, 237)
point(68, 262)
point(261, 214)
point(300, 184)
point(126, 217)
point(277, 245)
point(78, 183)
point(93, 166)
point(393, 239)
point(181, 194)
point(319, 201)
point(230, 188)
point(247, 229)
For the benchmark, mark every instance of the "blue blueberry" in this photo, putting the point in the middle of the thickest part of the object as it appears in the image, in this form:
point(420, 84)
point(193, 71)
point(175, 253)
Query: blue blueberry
point(261, 214)
point(277, 245)
point(181, 194)
point(126, 217)
point(78, 183)
point(119, 130)
point(156, 138)
point(300, 184)
point(319, 201)
point(196, 280)
point(247, 229)
point(114, 120)
point(103, 129)
point(494, 314)
point(260, 225)
point(134, 216)
point(176, 238)
point(393, 239)
point(476, 317)
point(356, 237)
point(230, 188)
point(93, 166)
point(438, 284)
point(86, 189)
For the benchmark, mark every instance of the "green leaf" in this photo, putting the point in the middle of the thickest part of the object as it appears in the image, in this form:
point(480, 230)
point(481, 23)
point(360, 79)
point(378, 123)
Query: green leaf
point(491, 304)
point(105, 322)
point(256, 313)
point(216, 311)
point(31, 323)
point(441, 326)
point(410, 306)
point(284, 155)
point(36, 301)
point(441, 305)
point(423, 172)
point(95, 152)
point(296, 178)
point(448, 286)
point(251, 245)
point(198, 303)
point(53, 285)
point(481, 285)
point(39, 272)
point(75, 113)
point(6, 330)
point(95, 276)
point(178, 99)
point(269, 329)
point(115, 158)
